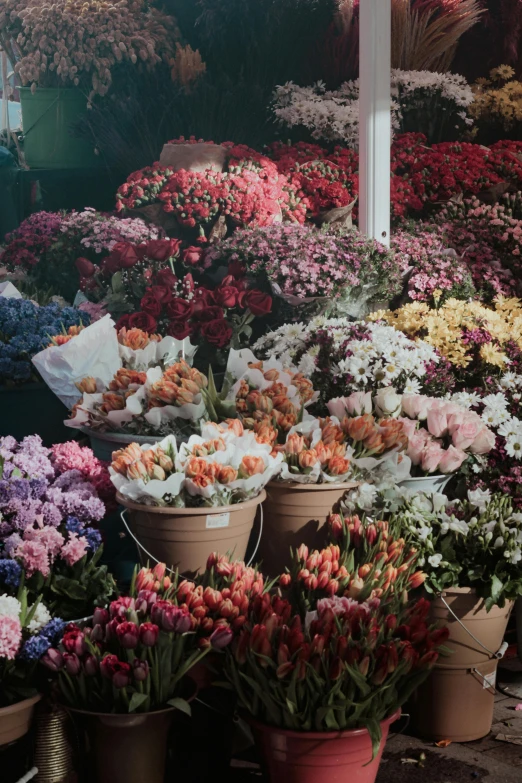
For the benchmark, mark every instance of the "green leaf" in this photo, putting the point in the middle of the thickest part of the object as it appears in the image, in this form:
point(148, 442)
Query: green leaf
point(116, 283)
point(137, 700)
point(181, 705)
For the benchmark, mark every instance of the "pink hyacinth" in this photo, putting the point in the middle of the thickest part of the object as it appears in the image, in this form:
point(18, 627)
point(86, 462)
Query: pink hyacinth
point(34, 556)
point(49, 537)
point(10, 637)
point(74, 549)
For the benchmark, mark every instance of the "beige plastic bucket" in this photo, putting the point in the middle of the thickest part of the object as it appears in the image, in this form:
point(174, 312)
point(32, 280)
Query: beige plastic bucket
point(456, 701)
point(15, 720)
point(184, 537)
point(293, 515)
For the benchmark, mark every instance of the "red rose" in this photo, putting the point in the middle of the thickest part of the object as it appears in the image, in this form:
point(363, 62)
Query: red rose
point(161, 249)
point(203, 298)
point(151, 304)
point(125, 254)
point(258, 302)
point(111, 265)
point(226, 296)
point(179, 309)
point(236, 269)
point(85, 267)
point(123, 322)
point(179, 329)
point(217, 333)
point(192, 255)
point(142, 321)
point(212, 313)
point(166, 277)
point(162, 293)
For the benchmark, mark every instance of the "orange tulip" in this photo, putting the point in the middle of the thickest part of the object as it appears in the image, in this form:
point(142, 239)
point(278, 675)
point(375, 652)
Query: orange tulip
point(360, 427)
point(251, 466)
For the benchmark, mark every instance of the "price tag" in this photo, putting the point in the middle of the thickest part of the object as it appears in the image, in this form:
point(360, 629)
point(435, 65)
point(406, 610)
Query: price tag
point(218, 520)
point(490, 680)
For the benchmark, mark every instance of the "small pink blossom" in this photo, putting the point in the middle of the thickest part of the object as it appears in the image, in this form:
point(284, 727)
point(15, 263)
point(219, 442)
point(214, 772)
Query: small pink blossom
point(74, 549)
point(10, 637)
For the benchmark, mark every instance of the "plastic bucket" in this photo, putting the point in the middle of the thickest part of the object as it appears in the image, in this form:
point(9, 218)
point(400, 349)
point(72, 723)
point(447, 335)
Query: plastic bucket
point(47, 117)
point(313, 757)
point(104, 443)
point(456, 701)
point(15, 720)
point(293, 515)
point(184, 537)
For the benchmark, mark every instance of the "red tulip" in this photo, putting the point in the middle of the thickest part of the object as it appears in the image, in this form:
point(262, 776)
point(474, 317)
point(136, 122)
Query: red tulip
point(74, 642)
point(100, 616)
point(128, 635)
point(122, 675)
point(149, 633)
point(85, 267)
point(140, 670)
point(53, 659)
point(221, 637)
point(90, 665)
point(72, 663)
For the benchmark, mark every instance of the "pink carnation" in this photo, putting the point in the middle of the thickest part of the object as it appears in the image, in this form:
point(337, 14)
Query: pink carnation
point(74, 549)
point(34, 556)
point(10, 637)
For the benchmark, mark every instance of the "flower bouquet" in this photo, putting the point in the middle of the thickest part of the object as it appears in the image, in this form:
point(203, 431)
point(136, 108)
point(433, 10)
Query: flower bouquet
point(46, 533)
point(470, 552)
point(311, 270)
point(154, 402)
point(331, 679)
point(442, 434)
point(26, 633)
point(341, 356)
point(123, 675)
point(180, 498)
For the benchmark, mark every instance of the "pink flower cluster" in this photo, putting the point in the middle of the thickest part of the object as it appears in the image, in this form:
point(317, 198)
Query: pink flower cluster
point(446, 435)
point(10, 637)
point(72, 456)
point(40, 547)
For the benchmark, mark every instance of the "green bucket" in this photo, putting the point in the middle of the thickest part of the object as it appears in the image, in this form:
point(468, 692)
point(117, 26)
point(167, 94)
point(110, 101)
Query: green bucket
point(47, 117)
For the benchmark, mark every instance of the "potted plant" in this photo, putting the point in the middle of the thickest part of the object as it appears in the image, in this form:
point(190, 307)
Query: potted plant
point(24, 331)
point(50, 511)
point(471, 552)
point(323, 678)
point(71, 61)
point(186, 502)
point(26, 633)
point(123, 675)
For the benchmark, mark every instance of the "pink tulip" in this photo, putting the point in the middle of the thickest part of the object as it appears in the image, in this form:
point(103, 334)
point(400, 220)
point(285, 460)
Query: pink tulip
point(90, 665)
point(431, 456)
point(484, 441)
point(221, 637)
point(416, 406)
point(53, 659)
point(140, 669)
point(100, 616)
point(452, 460)
point(72, 663)
point(128, 635)
point(437, 423)
point(357, 404)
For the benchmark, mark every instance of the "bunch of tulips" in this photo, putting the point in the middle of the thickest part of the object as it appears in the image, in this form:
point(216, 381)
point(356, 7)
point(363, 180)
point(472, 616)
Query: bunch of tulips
point(348, 664)
point(135, 656)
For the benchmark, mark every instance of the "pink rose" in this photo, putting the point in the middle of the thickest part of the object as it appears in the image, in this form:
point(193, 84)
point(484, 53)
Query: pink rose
point(437, 423)
point(484, 441)
point(431, 457)
point(416, 446)
point(455, 420)
point(464, 435)
point(416, 406)
point(409, 426)
point(451, 460)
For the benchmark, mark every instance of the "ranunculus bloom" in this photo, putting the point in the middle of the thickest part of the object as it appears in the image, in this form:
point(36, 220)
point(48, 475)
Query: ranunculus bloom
point(258, 302)
point(143, 321)
point(218, 333)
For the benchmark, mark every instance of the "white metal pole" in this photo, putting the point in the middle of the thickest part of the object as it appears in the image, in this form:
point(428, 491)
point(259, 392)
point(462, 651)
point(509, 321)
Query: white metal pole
point(375, 119)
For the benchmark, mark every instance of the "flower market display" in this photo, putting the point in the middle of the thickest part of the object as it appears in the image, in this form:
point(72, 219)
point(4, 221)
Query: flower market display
point(260, 474)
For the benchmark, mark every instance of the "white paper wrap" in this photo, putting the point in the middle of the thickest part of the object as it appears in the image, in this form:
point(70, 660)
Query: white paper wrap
point(9, 291)
point(94, 352)
point(166, 351)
